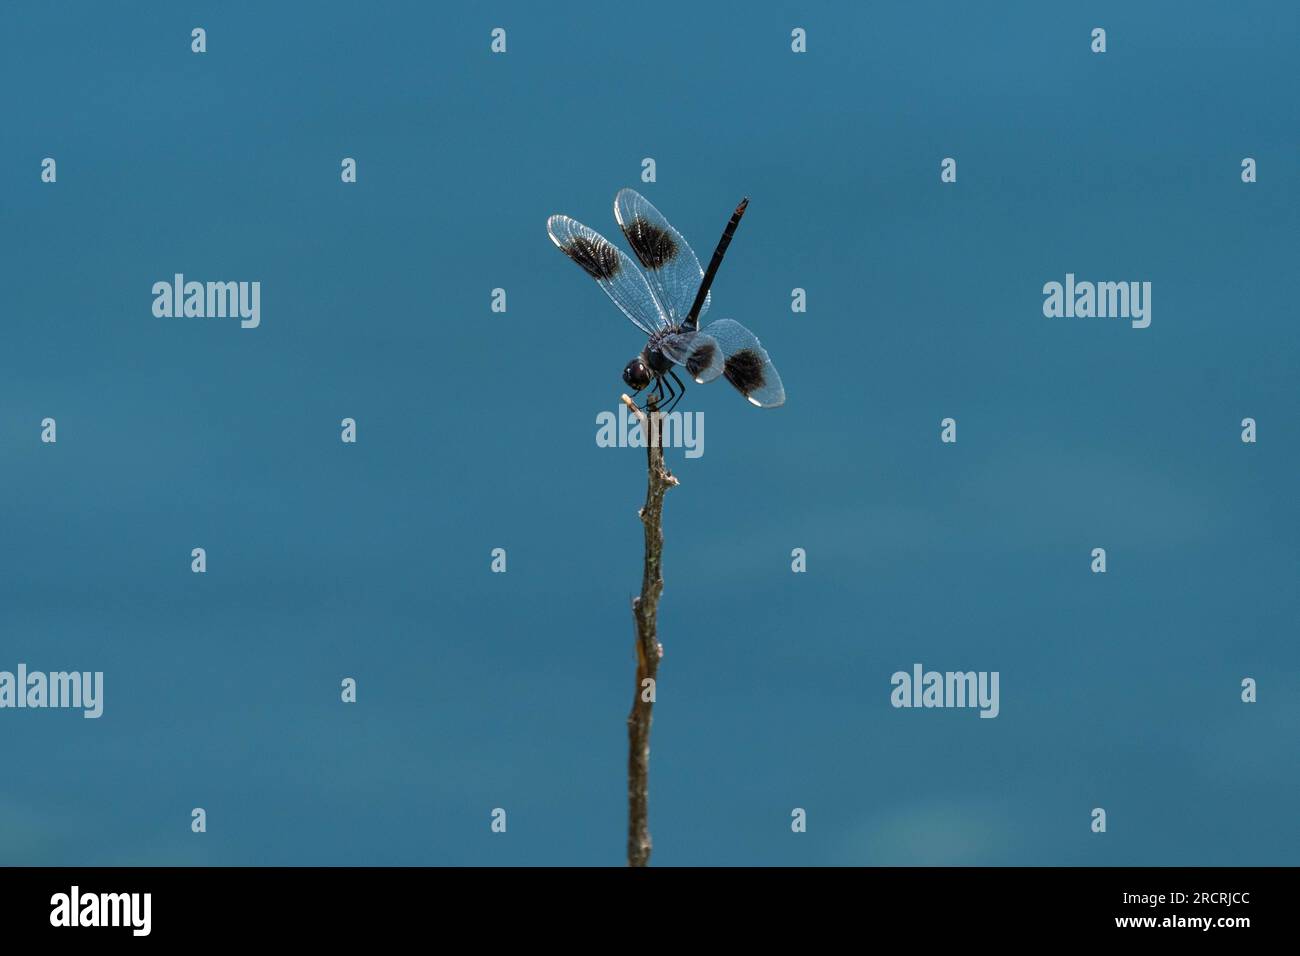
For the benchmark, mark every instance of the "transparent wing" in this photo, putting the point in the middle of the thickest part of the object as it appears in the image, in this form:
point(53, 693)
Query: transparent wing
point(698, 352)
point(746, 365)
point(613, 270)
point(670, 265)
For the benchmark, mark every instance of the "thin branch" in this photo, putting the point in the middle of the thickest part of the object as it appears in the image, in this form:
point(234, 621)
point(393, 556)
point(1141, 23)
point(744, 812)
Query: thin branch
point(645, 609)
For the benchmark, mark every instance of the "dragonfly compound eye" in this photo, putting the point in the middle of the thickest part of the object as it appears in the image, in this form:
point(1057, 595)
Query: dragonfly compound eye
point(636, 374)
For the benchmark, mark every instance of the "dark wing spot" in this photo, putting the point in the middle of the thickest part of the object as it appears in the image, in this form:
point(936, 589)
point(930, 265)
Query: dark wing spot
point(744, 370)
point(653, 246)
point(596, 256)
point(699, 360)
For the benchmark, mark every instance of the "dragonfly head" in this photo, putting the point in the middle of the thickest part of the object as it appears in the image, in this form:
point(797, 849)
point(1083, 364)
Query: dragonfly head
point(637, 374)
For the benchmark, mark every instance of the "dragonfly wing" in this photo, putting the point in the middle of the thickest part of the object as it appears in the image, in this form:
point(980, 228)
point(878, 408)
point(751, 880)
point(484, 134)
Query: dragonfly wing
point(746, 364)
point(670, 264)
point(698, 352)
point(612, 268)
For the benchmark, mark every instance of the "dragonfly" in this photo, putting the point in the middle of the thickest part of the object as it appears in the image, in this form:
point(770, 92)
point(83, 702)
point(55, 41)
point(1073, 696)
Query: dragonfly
point(665, 296)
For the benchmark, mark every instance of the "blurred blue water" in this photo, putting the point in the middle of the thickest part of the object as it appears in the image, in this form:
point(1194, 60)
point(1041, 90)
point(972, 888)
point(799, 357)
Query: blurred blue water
point(479, 690)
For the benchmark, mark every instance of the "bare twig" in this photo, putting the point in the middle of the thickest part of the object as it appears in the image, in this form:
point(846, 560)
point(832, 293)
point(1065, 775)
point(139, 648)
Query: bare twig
point(645, 610)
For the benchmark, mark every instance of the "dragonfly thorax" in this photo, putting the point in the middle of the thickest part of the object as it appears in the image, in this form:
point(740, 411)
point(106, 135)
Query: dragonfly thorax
point(658, 362)
point(653, 355)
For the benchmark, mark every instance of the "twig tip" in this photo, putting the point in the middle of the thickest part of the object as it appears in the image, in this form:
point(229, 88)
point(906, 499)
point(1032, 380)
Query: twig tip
point(636, 409)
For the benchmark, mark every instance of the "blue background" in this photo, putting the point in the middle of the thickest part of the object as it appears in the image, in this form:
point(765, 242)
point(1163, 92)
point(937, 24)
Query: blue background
point(476, 430)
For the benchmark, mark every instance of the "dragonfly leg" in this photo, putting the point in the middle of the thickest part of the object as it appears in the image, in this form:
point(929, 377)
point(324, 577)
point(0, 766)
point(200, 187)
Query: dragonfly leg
point(656, 392)
point(681, 390)
point(667, 399)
